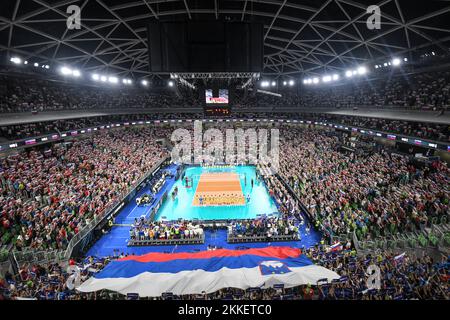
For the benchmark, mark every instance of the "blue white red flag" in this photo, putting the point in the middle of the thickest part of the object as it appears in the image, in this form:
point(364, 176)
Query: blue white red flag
point(152, 274)
point(336, 247)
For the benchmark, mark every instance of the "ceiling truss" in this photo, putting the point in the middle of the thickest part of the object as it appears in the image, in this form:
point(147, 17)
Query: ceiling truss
point(299, 38)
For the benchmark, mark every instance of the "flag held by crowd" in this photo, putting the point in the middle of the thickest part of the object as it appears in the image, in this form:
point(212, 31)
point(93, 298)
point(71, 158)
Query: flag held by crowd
point(153, 274)
point(336, 247)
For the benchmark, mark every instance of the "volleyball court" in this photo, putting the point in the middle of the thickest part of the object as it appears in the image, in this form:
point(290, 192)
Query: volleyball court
point(219, 189)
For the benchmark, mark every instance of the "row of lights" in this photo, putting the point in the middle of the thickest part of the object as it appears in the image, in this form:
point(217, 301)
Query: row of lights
point(17, 60)
point(66, 71)
point(335, 77)
point(395, 62)
point(428, 54)
point(266, 84)
point(99, 78)
point(360, 71)
point(325, 79)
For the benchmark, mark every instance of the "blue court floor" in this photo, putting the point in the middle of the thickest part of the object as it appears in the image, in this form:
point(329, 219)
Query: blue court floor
point(118, 237)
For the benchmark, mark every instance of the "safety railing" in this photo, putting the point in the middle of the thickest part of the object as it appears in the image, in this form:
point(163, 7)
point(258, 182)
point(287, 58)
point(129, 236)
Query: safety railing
point(38, 257)
point(437, 236)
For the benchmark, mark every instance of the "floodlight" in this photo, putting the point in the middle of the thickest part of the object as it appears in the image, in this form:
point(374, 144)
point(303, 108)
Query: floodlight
point(144, 82)
point(396, 61)
point(103, 78)
point(291, 82)
point(348, 73)
point(170, 83)
point(316, 80)
point(335, 77)
point(76, 73)
point(64, 70)
point(274, 83)
point(326, 79)
point(113, 80)
point(16, 60)
point(95, 77)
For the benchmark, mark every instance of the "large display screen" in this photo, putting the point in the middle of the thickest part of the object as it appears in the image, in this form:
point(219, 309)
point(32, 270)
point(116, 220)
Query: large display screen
point(221, 99)
point(206, 46)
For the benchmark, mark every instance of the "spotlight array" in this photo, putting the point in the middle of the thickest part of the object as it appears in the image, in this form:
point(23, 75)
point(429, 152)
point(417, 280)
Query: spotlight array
point(75, 73)
point(16, 60)
point(335, 77)
point(109, 79)
point(65, 71)
point(273, 83)
point(394, 62)
point(113, 80)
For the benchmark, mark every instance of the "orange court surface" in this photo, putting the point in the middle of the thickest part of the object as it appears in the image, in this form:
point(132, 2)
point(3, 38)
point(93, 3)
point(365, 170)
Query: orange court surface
point(219, 189)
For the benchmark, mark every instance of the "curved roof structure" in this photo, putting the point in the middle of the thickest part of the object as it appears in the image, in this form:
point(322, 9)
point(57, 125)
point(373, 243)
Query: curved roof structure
point(300, 37)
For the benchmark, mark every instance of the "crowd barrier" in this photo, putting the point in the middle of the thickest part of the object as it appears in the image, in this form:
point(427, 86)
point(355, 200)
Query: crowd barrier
point(436, 237)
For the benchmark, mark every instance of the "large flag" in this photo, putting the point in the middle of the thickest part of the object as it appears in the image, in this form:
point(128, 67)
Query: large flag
point(152, 274)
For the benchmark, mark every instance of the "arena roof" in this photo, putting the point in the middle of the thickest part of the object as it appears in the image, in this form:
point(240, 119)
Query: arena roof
point(305, 36)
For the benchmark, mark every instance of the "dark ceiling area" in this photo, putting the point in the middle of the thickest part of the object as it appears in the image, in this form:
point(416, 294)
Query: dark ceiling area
point(300, 37)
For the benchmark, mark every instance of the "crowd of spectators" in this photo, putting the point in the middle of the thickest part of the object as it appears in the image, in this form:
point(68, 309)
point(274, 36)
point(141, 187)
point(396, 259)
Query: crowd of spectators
point(431, 131)
point(49, 195)
point(263, 227)
point(405, 278)
point(421, 91)
point(373, 194)
point(26, 94)
point(145, 229)
point(424, 90)
point(35, 129)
